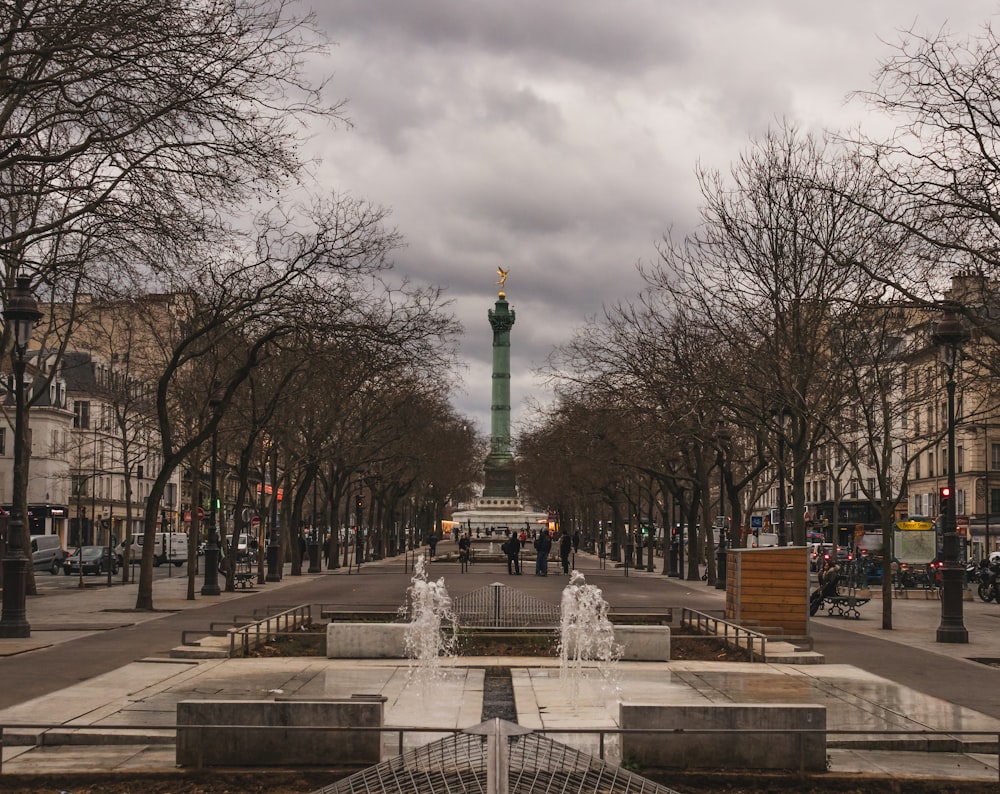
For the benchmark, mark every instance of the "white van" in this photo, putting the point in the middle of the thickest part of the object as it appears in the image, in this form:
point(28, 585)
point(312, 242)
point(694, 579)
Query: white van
point(763, 539)
point(169, 547)
point(47, 553)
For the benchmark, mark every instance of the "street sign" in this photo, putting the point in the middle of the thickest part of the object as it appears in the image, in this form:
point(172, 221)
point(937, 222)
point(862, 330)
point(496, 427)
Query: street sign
point(756, 522)
point(914, 526)
point(255, 522)
point(201, 513)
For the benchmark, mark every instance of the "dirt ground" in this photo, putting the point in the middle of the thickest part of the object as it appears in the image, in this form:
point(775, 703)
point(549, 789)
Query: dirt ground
point(311, 641)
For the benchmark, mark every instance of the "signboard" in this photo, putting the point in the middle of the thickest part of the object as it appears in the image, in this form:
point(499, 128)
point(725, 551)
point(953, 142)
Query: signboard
point(756, 522)
point(255, 522)
point(915, 526)
point(915, 546)
point(201, 513)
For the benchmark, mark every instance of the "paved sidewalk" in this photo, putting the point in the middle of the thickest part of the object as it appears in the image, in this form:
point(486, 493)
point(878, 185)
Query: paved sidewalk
point(142, 691)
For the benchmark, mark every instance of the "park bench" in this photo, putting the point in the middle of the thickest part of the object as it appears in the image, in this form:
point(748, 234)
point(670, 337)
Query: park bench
point(845, 602)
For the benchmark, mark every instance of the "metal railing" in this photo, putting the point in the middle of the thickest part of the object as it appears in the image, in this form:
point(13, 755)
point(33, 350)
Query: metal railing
point(733, 634)
point(949, 739)
point(500, 606)
point(252, 635)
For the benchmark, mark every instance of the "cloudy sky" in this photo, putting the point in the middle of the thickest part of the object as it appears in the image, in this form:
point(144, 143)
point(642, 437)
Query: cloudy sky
point(559, 138)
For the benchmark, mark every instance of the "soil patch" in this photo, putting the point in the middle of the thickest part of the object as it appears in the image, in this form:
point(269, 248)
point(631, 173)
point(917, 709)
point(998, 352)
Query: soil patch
point(310, 640)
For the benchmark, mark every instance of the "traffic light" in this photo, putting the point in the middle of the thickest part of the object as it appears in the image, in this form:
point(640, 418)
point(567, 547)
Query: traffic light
point(944, 500)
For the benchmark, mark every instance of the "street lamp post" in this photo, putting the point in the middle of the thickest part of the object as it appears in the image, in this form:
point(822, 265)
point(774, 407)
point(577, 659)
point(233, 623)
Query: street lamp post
point(273, 547)
point(780, 412)
point(211, 583)
point(314, 551)
point(949, 334)
point(723, 438)
point(22, 312)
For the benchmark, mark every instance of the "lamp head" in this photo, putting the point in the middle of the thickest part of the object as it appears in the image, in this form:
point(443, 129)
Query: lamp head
point(950, 331)
point(22, 312)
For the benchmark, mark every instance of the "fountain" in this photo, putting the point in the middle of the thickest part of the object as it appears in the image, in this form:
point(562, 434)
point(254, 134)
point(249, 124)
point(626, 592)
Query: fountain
point(585, 632)
point(431, 631)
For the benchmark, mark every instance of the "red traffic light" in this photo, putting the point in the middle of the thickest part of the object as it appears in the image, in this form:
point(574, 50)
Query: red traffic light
point(946, 492)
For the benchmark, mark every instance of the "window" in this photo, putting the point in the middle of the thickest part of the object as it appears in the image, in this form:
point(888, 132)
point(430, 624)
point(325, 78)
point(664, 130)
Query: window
point(81, 414)
point(930, 463)
point(960, 503)
point(995, 500)
point(916, 467)
point(995, 457)
point(3, 440)
point(959, 459)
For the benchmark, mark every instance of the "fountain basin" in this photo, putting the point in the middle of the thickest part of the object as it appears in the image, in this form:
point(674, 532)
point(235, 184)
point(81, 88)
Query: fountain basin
point(388, 641)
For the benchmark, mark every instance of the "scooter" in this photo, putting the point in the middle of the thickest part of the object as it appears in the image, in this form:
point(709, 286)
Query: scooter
point(988, 586)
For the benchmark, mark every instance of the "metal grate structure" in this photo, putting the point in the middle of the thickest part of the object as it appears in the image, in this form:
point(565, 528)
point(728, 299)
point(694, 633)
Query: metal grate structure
point(496, 757)
point(499, 606)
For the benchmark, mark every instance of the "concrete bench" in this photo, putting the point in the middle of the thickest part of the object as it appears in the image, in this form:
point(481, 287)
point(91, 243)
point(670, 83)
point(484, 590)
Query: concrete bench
point(800, 744)
point(255, 732)
point(644, 643)
point(366, 640)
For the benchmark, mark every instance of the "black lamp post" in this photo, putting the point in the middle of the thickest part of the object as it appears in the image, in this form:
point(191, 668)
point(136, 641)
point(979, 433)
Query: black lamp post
point(950, 334)
point(780, 412)
point(211, 583)
point(273, 548)
point(22, 313)
point(723, 438)
point(314, 556)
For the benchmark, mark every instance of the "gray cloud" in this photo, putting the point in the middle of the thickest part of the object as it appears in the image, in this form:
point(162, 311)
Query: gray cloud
point(560, 138)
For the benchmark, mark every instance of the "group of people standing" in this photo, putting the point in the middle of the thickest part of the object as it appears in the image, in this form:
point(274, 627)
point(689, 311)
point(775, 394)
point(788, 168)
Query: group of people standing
point(543, 547)
point(513, 546)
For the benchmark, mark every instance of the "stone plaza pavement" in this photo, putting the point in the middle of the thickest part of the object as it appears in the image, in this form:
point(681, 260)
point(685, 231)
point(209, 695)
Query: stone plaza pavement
point(100, 679)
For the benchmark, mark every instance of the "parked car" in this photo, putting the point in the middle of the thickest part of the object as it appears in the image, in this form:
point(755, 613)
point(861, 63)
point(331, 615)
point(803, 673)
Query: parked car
point(47, 553)
point(819, 553)
point(96, 560)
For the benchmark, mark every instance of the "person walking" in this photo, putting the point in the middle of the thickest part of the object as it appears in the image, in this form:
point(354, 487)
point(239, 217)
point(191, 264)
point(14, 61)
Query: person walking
point(432, 543)
point(464, 546)
point(543, 545)
point(512, 548)
point(565, 546)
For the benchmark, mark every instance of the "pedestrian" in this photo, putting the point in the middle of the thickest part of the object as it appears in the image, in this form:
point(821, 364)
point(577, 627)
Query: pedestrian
point(523, 538)
point(432, 542)
point(576, 541)
point(543, 545)
point(464, 546)
point(512, 548)
point(565, 546)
